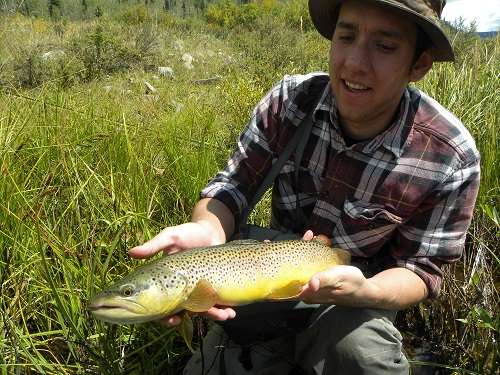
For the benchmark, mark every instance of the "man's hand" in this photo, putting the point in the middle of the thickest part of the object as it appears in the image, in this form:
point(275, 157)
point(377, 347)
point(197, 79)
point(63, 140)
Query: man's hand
point(392, 289)
point(343, 285)
point(211, 224)
point(179, 238)
point(175, 239)
point(214, 313)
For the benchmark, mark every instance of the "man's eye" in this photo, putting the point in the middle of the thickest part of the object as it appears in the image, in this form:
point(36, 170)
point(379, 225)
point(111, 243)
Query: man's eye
point(345, 38)
point(385, 47)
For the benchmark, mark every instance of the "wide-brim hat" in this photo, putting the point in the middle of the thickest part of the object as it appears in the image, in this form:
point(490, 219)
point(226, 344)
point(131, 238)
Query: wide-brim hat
point(425, 13)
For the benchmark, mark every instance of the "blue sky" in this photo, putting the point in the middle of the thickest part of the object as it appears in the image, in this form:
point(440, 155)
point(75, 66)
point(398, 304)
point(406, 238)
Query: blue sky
point(486, 13)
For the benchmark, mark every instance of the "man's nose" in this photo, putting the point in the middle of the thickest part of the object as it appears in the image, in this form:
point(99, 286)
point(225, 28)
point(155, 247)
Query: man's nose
point(358, 57)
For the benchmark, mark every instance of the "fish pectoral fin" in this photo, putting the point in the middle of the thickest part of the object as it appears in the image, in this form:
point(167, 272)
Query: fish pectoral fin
point(185, 329)
point(291, 290)
point(201, 298)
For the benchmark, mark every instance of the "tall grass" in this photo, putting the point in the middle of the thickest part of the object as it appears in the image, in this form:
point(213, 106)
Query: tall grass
point(463, 325)
point(90, 166)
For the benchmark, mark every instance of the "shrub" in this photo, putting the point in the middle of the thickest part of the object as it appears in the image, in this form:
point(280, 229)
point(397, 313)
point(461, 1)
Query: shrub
point(227, 14)
point(27, 67)
point(102, 51)
point(134, 15)
point(295, 14)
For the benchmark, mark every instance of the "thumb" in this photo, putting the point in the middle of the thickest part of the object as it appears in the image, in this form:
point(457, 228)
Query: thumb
point(329, 278)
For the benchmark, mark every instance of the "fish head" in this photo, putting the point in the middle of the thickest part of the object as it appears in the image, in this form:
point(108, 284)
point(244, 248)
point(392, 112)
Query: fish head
point(148, 293)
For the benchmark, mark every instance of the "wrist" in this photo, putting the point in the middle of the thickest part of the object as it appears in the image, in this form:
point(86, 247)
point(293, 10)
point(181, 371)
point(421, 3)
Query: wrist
point(215, 218)
point(372, 294)
point(211, 232)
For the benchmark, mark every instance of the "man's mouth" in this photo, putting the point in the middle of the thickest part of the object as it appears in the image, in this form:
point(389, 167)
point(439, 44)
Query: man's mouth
point(355, 87)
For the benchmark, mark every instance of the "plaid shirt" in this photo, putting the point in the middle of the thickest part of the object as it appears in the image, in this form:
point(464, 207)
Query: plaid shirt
point(404, 198)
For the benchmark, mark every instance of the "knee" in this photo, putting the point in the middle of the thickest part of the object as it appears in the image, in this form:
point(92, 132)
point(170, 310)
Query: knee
point(375, 341)
point(364, 341)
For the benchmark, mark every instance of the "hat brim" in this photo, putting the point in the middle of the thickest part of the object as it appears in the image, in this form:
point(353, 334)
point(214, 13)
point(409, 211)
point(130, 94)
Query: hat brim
point(323, 16)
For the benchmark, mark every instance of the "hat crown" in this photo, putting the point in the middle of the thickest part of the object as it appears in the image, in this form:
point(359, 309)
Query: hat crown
point(427, 8)
point(425, 13)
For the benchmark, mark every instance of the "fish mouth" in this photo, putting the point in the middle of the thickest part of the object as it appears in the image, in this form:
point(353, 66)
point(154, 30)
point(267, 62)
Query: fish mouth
point(116, 313)
point(131, 306)
point(96, 307)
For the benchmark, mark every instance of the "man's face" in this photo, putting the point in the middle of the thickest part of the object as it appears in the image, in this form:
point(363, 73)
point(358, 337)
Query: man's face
point(370, 65)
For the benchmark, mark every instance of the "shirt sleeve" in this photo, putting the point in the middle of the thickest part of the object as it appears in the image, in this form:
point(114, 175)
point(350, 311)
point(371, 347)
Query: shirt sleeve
point(236, 184)
point(436, 233)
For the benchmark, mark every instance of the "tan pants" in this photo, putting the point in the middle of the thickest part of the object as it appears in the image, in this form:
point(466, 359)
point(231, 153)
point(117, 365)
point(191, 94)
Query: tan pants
point(339, 340)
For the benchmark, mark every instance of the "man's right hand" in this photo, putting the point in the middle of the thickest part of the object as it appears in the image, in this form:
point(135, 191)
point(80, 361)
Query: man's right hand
point(219, 313)
point(178, 238)
point(211, 224)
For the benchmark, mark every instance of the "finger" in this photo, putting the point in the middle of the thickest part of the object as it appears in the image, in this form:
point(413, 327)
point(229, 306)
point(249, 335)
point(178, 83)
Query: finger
point(328, 278)
point(160, 242)
point(220, 314)
point(308, 292)
point(308, 235)
point(171, 321)
point(314, 284)
point(142, 251)
point(173, 249)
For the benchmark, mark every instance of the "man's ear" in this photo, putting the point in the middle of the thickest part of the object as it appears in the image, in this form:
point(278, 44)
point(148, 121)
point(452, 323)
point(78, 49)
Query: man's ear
point(421, 66)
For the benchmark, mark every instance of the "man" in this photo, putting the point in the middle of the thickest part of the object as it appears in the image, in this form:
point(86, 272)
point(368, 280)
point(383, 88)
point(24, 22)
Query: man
point(387, 173)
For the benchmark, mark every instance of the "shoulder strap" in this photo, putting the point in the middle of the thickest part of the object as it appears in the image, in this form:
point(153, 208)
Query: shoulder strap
point(298, 143)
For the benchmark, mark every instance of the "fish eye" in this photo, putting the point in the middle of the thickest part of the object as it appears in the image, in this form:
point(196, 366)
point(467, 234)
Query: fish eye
point(127, 290)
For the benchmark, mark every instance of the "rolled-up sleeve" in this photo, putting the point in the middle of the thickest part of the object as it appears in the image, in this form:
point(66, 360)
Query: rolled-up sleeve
point(436, 233)
point(237, 183)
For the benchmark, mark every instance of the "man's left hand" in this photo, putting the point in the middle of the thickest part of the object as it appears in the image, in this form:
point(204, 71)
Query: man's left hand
point(343, 285)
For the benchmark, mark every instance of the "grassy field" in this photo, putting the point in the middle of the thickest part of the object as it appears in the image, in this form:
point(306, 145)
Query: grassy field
point(92, 163)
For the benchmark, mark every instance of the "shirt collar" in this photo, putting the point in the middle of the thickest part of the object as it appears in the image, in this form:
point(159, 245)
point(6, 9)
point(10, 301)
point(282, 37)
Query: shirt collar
point(394, 139)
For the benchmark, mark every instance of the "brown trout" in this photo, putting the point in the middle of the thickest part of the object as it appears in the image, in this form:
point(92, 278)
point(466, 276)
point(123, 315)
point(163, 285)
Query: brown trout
point(235, 273)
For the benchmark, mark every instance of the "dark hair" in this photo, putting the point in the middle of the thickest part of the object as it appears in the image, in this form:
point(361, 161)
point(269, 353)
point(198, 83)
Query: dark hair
point(422, 44)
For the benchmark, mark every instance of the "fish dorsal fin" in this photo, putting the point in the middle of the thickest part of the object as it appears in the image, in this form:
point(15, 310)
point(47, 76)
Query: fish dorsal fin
point(247, 241)
point(343, 256)
point(201, 298)
point(185, 329)
point(291, 290)
point(321, 238)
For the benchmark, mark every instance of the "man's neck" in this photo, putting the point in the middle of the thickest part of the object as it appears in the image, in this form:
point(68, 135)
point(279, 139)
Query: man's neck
point(361, 132)
point(358, 132)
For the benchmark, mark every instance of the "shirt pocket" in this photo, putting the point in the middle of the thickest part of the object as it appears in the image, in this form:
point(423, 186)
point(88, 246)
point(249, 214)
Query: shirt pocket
point(360, 215)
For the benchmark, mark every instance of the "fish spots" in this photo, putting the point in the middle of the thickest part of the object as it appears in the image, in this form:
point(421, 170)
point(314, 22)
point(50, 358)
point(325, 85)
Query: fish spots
point(238, 273)
point(236, 266)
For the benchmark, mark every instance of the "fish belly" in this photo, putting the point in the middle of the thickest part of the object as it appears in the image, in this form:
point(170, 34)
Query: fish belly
point(282, 283)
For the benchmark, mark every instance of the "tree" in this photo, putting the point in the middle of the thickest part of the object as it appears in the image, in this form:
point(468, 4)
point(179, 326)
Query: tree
point(52, 5)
